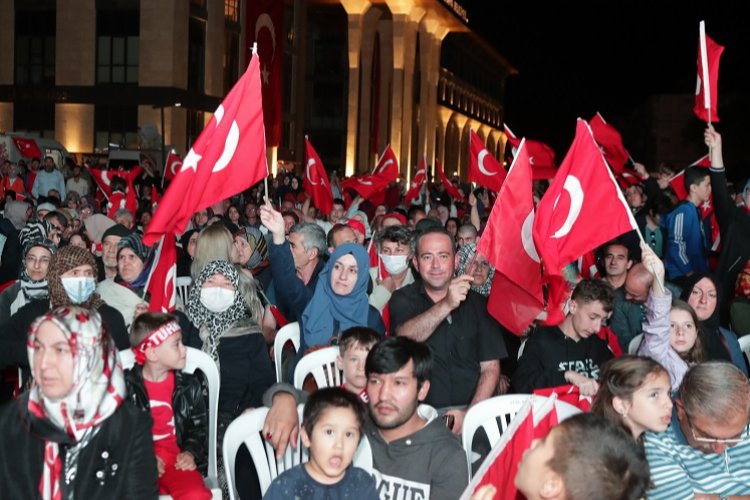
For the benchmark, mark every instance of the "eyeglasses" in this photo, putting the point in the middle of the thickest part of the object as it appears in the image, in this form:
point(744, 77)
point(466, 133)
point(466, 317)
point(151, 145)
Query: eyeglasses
point(710, 440)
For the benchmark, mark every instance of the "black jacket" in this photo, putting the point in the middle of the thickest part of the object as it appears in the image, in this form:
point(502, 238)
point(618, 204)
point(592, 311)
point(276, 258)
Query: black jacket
point(188, 407)
point(118, 462)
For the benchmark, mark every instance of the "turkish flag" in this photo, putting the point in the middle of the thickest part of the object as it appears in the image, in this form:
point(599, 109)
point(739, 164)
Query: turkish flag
point(568, 393)
point(610, 140)
point(228, 157)
point(587, 266)
point(541, 156)
point(172, 165)
point(628, 177)
point(707, 88)
point(516, 296)
point(385, 172)
point(416, 183)
point(161, 281)
point(27, 147)
point(265, 26)
point(583, 207)
point(316, 181)
point(678, 181)
point(155, 197)
point(533, 421)
point(449, 187)
point(484, 169)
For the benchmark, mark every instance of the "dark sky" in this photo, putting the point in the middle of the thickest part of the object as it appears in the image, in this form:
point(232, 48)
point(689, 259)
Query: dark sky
point(576, 58)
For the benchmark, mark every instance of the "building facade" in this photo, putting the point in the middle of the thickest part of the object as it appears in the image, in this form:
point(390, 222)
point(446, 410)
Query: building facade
point(357, 75)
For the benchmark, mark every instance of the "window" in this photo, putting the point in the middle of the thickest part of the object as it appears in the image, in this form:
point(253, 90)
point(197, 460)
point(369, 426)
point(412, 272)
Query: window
point(231, 59)
point(36, 117)
point(35, 48)
point(117, 47)
point(196, 54)
point(194, 125)
point(232, 10)
point(115, 125)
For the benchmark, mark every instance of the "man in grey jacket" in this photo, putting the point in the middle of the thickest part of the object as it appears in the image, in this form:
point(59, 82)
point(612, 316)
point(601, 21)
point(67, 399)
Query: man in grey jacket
point(414, 454)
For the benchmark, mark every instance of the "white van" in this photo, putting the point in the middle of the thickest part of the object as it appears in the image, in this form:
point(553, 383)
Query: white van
point(47, 147)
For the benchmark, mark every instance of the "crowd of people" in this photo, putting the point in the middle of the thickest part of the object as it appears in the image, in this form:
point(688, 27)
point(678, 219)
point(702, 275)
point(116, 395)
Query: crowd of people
point(650, 333)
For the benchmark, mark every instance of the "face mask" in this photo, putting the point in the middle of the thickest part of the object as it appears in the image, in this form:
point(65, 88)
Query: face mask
point(217, 299)
point(79, 288)
point(395, 264)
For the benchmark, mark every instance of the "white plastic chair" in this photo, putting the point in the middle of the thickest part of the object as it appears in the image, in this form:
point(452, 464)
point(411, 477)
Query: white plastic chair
point(321, 364)
point(486, 414)
point(247, 428)
point(182, 287)
point(198, 360)
point(287, 332)
point(635, 344)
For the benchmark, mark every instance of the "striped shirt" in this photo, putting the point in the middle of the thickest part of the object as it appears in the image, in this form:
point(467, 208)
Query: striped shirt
point(679, 471)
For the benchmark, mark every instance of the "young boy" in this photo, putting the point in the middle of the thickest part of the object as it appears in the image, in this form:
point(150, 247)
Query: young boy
point(175, 400)
point(354, 344)
point(331, 429)
point(571, 352)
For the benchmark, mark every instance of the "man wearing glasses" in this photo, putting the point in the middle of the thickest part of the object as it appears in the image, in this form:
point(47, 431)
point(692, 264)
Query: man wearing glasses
point(705, 453)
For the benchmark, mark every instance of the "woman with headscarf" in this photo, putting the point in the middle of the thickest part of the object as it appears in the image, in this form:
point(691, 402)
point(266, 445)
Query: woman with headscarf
point(340, 299)
point(127, 292)
point(32, 284)
point(252, 253)
point(70, 436)
point(704, 294)
point(226, 325)
point(13, 251)
point(71, 281)
point(188, 241)
point(476, 265)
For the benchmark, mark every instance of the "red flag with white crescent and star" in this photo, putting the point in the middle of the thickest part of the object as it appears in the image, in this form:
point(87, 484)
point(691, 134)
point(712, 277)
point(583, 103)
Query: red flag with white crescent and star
point(172, 165)
point(228, 157)
point(161, 281)
point(541, 156)
point(610, 140)
point(516, 297)
point(27, 147)
point(707, 88)
point(265, 26)
point(316, 182)
point(484, 169)
point(449, 187)
point(417, 182)
point(385, 172)
point(583, 194)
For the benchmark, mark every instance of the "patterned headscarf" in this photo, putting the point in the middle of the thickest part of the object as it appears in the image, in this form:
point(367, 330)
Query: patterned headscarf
point(67, 258)
point(98, 391)
point(34, 231)
point(216, 323)
point(34, 290)
point(257, 243)
point(465, 255)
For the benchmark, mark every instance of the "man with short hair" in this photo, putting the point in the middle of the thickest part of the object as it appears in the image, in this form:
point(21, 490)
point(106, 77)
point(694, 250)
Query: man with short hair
point(688, 235)
point(413, 454)
point(77, 183)
point(467, 233)
point(48, 179)
point(617, 261)
point(337, 213)
point(124, 217)
point(443, 312)
point(630, 299)
point(338, 235)
point(296, 262)
point(705, 452)
point(107, 264)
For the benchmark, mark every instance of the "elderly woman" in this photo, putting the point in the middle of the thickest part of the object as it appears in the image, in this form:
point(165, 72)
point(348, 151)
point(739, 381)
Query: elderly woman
point(71, 281)
point(32, 284)
point(476, 265)
point(70, 436)
point(127, 292)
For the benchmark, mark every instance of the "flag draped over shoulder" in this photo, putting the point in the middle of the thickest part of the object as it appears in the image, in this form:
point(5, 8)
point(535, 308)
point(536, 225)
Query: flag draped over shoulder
point(610, 140)
point(228, 157)
point(583, 207)
point(707, 86)
point(516, 297)
point(417, 182)
point(484, 169)
point(316, 181)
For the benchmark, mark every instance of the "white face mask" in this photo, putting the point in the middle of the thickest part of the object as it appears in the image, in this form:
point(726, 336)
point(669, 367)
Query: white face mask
point(217, 299)
point(79, 288)
point(395, 264)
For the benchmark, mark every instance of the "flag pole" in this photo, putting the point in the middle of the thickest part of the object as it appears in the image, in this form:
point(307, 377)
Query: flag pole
point(265, 179)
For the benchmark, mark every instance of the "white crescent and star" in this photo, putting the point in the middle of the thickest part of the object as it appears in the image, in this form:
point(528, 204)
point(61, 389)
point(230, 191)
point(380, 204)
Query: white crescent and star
point(526, 237)
point(173, 166)
point(480, 162)
point(169, 287)
point(573, 187)
point(310, 163)
point(698, 85)
point(265, 21)
point(384, 166)
point(366, 183)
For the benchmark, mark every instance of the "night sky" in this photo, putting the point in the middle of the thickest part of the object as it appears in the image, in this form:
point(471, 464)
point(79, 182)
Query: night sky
point(575, 59)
